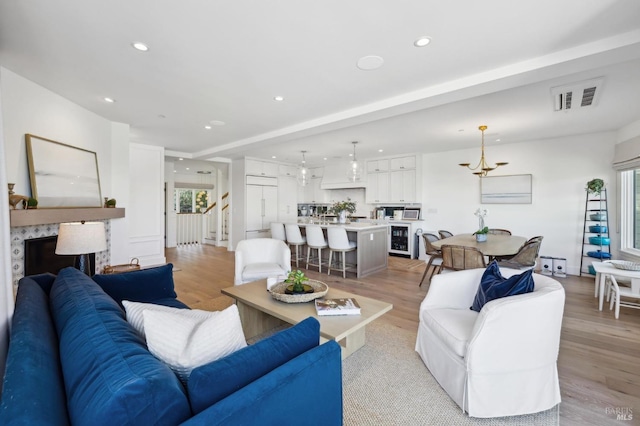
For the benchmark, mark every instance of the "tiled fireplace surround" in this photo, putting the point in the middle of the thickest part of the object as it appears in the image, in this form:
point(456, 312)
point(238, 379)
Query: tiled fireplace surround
point(21, 233)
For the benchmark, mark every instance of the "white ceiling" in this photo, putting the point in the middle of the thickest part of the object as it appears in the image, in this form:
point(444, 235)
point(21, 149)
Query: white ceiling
point(491, 62)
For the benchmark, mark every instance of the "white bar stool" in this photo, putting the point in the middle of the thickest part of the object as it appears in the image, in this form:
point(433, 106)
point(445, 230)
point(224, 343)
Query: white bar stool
point(338, 241)
point(315, 241)
point(295, 238)
point(277, 231)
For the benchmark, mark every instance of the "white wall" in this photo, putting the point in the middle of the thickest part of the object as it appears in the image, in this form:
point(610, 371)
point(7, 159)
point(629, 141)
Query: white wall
point(6, 289)
point(146, 212)
point(560, 168)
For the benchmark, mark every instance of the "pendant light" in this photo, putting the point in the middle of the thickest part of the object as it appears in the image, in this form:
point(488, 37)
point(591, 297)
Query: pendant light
point(303, 172)
point(355, 169)
point(483, 167)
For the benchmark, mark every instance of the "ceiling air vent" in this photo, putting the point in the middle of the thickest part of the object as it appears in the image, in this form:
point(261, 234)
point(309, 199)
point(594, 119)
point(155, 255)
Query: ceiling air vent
point(576, 95)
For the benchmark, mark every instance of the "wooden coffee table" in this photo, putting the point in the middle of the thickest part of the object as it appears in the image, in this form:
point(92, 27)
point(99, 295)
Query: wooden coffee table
point(259, 313)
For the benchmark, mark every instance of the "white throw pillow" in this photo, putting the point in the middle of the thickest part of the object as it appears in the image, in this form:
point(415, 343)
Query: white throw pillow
point(134, 313)
point(184, 342)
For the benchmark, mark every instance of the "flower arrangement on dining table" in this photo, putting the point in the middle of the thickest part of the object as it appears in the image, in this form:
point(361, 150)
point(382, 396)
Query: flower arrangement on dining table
point(482, 229)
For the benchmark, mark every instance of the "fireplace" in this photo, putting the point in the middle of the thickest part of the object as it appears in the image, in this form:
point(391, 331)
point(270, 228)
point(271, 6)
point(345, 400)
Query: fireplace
point(40, 257)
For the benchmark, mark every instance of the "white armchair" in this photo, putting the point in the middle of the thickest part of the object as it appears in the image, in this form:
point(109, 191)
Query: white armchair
point(500, 361)
point(261, 258)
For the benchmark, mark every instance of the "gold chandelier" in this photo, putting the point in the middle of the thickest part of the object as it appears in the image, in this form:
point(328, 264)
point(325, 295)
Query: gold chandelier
point(482, 165)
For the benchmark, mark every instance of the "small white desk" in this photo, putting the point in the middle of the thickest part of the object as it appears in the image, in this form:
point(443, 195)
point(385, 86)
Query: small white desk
point(605, 269)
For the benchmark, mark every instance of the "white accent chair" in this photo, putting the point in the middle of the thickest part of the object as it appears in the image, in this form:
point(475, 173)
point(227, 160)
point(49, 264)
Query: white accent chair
point(501, 361)
point(260, 258)
point(339, 242)
point(277, 231)
point(295, 238)
point(315, 241)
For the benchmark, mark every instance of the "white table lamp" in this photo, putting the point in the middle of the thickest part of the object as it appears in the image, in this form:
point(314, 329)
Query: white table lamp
point(81, 239)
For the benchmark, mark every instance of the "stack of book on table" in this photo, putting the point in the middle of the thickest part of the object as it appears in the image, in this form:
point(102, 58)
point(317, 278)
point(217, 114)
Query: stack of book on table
point(347, 306)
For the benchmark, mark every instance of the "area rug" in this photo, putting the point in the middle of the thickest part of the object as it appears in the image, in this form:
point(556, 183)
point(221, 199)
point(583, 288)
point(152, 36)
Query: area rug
point(386, 383)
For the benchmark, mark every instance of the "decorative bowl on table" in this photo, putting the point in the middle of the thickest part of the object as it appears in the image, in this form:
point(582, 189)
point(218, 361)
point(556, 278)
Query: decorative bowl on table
point(625, 265)
point(598, 216)
point(599, 241)
point(279, 292)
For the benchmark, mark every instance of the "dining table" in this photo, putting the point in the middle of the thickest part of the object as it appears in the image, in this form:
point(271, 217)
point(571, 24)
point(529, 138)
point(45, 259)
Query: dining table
point(497, 245)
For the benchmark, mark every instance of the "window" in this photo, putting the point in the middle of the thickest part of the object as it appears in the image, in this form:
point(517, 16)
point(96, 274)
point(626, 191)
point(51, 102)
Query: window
point(191, 200)
point(630, 211)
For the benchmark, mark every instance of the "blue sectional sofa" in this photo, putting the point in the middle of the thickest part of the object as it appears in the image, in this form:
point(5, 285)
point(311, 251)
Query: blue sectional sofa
point(74, 359)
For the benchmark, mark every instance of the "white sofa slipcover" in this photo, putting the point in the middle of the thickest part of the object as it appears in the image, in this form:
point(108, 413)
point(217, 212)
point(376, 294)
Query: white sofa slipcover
point(261, 258)
point(500, 361)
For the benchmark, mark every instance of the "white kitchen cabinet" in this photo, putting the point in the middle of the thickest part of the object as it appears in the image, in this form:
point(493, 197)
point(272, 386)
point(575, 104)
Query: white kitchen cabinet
point(261, 205)
point(260, 168)
point(403, 163)
point(402, 186)
point(313, 193)
point(377, 188)
point(316, 172)
point(287, 199)
point(376, 166)
point(284, 170)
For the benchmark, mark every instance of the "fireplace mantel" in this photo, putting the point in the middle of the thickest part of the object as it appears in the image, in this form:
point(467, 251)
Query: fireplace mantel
point(44, 216)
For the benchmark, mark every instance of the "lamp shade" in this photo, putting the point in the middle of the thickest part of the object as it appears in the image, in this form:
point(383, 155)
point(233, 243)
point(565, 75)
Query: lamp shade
point(81, 238)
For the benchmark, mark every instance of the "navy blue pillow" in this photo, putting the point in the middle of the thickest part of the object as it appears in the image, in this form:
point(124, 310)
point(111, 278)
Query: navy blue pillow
point(494, 286)
point(145, 285)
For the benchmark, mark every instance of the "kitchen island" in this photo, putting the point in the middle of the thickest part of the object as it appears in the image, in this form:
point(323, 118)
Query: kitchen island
point(372, 252)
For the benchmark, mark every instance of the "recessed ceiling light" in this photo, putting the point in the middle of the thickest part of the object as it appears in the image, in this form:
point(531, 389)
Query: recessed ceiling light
point(110, 100)
point(140, 46)
point(207, 127)
point(187, 168)
point(180, 159)
point(380, 150)
point(369, 63)
point(325, 158)
point(278, 98)
point(422, 41)
point(273, 156)
point(175, 171)
point(217, 123)
point(497, 140)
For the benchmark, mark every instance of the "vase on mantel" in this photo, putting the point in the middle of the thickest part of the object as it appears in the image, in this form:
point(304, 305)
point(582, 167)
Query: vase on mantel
point(342, 216)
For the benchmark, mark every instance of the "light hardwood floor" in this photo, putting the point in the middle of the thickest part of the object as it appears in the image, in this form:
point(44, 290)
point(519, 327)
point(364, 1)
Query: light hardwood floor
point(599, 361)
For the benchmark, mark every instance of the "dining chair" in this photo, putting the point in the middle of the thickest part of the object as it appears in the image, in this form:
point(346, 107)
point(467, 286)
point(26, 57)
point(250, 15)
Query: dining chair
point(339, 242)
point(458, 258)
point(444, 234)
point(315, 241)
point(526, 258)
point(295, 238)
point(435, 256)
point(618, 291)
point(277, 231)
point(497, 231)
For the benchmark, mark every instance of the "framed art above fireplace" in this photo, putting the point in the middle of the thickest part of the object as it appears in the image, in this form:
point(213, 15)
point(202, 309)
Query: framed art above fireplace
point(62, 175)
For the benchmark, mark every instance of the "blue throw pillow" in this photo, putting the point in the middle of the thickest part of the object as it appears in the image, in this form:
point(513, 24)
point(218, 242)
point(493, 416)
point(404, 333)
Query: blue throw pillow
point(494, 286)
point(215, 381)
point(146, 285)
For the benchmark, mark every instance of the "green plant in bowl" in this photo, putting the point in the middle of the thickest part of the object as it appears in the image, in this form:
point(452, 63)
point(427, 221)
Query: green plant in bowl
point(297, 280)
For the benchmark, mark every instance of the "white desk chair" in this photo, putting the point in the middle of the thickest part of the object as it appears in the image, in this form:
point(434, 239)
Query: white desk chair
point(617, 292)
point(277, 231)
point(295, 238)
point(315, 241)
point(338, 241)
